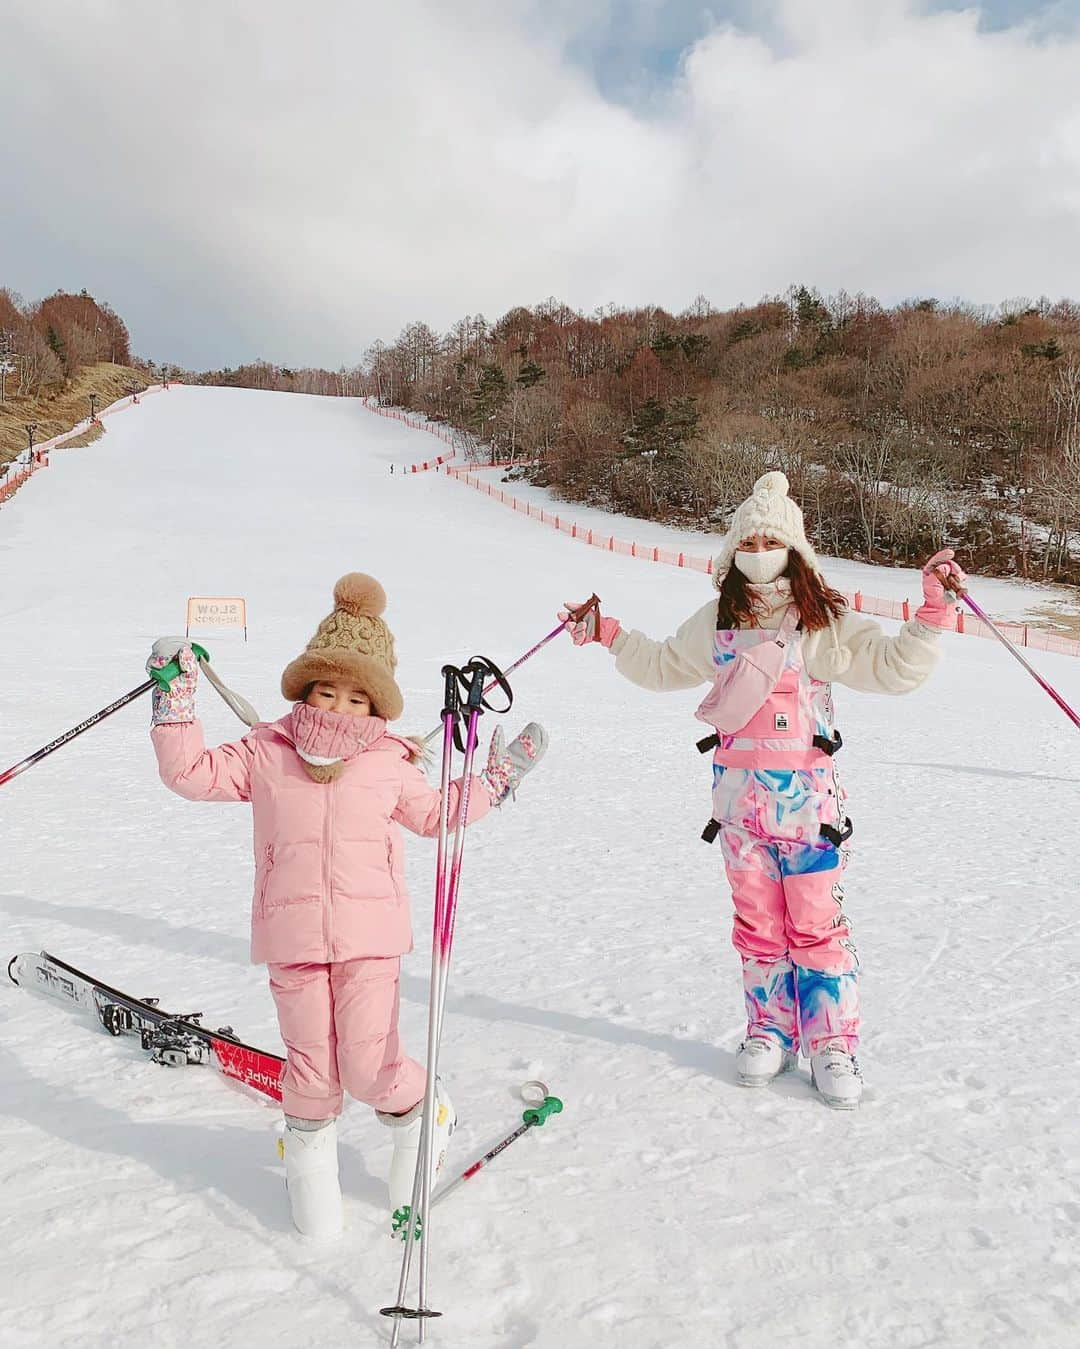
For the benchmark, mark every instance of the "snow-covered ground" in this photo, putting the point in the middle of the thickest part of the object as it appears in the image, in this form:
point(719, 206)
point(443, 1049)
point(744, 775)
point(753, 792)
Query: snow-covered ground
point(141, 1206)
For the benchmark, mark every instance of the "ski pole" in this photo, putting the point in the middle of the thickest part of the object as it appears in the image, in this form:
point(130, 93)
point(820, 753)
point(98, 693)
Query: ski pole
point(441, 935)
point(575, 615)
point(960, 590)
point(534, 1117)
point(475, 706)
point(163, 678)
point(447, 883)
point(450, 714)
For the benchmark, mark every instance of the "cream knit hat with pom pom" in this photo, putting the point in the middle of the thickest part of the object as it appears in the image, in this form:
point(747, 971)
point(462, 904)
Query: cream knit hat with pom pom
point(352, 643)
point(768, 510)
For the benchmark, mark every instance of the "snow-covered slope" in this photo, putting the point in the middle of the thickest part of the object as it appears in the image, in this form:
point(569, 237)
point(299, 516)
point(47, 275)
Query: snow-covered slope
point(141, 1206)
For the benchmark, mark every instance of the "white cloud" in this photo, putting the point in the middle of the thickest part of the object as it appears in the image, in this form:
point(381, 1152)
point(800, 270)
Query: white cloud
point(295, 181)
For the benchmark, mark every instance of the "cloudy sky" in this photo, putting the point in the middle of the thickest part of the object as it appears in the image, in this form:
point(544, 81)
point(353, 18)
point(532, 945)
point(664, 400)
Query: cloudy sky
point(293, 181)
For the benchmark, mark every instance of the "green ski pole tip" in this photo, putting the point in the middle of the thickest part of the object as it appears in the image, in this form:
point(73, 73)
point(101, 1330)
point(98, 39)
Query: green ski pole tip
point(540, 1113)
point(168, 673)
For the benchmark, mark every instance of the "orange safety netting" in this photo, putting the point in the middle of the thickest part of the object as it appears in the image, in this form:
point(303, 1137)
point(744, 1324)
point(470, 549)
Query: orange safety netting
point(1019, 633)
point(12, 481)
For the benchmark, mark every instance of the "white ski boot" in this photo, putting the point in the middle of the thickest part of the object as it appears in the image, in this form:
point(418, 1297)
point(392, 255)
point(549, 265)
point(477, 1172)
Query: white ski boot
point(760, 1059)
point(407, 1149)
point(311, 1177)
point(835, 1073)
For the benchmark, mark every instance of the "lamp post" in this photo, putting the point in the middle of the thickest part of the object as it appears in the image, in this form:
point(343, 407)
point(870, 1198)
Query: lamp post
point(164, 376)
point(93, 408)
point(7, 367)
point(31, 431)
point(133, 390)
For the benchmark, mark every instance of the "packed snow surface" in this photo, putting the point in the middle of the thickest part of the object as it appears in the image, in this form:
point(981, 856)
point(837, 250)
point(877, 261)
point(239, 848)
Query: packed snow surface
point(142, 1206)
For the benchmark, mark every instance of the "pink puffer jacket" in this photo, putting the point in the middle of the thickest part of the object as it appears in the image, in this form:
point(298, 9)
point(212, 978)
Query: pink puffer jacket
point(329, 865)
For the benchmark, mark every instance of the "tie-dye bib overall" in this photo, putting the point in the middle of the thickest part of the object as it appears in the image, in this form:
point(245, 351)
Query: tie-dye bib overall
point(773, 790)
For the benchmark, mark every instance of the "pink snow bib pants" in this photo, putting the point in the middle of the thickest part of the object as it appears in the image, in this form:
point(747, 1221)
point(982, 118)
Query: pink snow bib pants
point(777, 808)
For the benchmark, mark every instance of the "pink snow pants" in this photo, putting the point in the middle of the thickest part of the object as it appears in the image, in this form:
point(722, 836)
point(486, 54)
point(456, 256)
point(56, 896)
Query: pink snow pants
point(340, 1027)
point(784, 878)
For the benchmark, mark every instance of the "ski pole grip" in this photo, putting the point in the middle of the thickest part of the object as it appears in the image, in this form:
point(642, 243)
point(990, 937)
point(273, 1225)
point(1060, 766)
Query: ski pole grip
point(539, 1114)
point(951, 583)
point(593, 602)
point(168, 673)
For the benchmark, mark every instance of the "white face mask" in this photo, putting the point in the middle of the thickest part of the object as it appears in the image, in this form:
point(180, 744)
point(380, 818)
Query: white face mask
point(762, 568)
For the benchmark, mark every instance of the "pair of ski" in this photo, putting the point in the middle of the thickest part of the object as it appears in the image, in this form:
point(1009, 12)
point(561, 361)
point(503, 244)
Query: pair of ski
point(177, 1040)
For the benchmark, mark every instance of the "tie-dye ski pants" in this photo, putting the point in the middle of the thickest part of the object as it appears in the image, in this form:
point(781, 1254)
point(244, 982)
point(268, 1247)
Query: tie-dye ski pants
point(799, 963)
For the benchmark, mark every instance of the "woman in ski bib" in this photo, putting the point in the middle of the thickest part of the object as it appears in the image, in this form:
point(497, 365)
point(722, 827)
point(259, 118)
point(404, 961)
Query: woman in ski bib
point(771, 646)
point(329, 786)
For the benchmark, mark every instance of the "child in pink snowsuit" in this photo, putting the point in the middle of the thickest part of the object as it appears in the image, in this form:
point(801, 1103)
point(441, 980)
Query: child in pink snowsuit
point(771, 647)
point(329, 786)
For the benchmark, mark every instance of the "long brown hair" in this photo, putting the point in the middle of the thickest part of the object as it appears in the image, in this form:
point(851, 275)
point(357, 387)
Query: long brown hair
point(816, 602)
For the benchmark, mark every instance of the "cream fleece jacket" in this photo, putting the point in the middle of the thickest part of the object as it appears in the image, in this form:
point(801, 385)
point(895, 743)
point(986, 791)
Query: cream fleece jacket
point(852, 651)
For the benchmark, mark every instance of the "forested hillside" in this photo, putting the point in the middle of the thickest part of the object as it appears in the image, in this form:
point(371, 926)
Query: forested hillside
point(898, 427)
point(54, 354)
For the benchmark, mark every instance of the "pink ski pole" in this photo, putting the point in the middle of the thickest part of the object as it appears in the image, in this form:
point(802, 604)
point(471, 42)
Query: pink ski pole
point(576, 614)
point(960, 590)
point(415, 1219)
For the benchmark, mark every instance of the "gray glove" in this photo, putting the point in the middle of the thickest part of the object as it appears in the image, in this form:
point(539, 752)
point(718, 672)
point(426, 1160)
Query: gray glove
point(506, 766)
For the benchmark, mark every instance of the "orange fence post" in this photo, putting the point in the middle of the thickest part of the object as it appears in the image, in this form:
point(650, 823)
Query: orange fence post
point(858, 602)
point(907, 611)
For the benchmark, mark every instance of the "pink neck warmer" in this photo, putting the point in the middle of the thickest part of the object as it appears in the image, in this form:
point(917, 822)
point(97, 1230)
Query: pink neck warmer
point(324, 739)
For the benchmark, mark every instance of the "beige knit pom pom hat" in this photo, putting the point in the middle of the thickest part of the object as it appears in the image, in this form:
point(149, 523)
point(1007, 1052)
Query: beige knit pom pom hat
point(352, 643)
point(770, 511)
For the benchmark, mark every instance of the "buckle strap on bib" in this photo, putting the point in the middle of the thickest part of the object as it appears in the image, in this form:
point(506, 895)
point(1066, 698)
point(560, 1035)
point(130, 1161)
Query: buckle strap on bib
point(828, 832)
point(827, 746)
point(838, 836)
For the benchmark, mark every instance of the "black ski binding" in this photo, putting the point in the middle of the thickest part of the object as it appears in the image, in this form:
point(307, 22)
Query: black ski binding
point(173, 1044)
point(116, 1018)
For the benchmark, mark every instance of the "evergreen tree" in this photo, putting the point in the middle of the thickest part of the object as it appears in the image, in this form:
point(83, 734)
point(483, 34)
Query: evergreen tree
point(530, 374)
point(489, 394)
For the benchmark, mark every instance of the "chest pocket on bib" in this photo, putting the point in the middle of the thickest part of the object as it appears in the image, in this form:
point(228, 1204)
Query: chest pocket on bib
point(778, 718)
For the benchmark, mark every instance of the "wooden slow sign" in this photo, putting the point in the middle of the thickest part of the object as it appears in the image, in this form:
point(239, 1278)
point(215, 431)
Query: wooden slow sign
point(216, 611)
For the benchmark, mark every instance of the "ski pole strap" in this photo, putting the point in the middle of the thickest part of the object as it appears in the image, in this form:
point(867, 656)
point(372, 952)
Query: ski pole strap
point(480, 667)
point(466, 689)
point(239, 705)
point(539, 1114)
point(469, 681)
